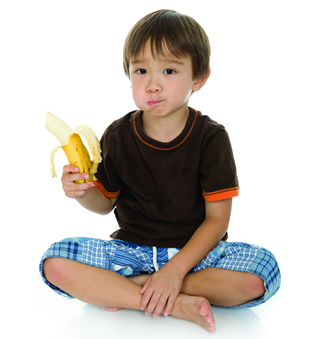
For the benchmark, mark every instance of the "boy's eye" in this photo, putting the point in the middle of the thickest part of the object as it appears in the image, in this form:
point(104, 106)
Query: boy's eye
point(141, 71)
point(169, 71)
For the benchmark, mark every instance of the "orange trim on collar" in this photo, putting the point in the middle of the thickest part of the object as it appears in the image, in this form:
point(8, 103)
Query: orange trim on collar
point(163, 149)
point(222, 194)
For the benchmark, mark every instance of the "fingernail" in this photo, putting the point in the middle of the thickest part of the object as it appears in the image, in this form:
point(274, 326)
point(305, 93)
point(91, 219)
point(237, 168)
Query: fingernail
point(86, 176)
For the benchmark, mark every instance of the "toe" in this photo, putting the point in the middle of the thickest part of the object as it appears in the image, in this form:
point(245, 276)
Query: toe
point(205, 309)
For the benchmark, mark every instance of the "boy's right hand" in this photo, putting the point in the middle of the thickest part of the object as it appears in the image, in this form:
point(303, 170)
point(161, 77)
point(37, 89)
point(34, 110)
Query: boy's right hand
point(73, 190)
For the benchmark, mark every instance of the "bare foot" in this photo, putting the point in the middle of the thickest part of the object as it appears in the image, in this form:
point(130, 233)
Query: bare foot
point(111, 309)
point(194, 309)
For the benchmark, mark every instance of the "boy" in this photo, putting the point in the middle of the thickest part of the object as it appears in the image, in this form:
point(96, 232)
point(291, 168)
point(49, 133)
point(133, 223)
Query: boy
point(169, 174)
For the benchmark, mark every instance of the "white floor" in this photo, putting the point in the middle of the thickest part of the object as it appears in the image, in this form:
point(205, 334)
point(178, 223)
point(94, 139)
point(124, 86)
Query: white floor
point(40, 313)
point(65, 56)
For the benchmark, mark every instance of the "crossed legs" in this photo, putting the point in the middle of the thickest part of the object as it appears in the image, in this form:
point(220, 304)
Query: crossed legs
point(105, 288)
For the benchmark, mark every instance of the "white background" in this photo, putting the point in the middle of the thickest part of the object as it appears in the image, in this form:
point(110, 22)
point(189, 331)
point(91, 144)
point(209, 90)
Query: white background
point(66, 57)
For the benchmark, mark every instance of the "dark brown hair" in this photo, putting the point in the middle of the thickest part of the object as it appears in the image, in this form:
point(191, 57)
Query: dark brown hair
point(170, 33)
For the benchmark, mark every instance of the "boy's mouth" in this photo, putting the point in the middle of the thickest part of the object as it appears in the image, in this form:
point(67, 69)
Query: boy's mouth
point(154, 102)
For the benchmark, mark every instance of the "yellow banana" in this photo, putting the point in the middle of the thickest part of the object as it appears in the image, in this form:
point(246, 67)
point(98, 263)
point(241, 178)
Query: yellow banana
point(71, 143)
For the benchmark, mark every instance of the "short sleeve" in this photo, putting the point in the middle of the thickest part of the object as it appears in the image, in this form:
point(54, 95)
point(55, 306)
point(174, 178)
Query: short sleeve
point(108, 181)
point(218, 176)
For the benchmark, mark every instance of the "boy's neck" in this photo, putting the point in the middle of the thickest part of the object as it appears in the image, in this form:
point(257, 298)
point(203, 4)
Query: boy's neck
point(164, 129)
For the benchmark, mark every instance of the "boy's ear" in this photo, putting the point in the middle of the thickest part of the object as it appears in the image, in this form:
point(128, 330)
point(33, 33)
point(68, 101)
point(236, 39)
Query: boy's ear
point(199, 83)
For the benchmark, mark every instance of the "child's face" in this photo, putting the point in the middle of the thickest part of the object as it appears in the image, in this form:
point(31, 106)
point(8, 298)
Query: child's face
point(161, 86)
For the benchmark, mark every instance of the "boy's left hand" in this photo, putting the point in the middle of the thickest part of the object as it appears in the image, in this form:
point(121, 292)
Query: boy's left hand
point(161, 291)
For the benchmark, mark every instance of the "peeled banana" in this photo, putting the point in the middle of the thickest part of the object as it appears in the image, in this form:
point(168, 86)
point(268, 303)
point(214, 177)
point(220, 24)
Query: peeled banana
point(71, 143)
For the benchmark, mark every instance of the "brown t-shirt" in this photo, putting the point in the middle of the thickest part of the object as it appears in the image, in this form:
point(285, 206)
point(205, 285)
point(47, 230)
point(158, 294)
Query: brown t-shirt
point(162, 187)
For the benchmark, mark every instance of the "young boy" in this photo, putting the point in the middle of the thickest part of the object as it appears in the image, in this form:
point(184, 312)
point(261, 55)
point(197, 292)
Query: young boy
point(169, 174)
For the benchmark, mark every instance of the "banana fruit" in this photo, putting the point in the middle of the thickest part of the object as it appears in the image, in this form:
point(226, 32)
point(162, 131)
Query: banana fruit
point(71, 143)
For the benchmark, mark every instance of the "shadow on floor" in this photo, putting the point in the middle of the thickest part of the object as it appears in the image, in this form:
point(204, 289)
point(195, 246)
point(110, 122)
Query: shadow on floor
point(96, 323)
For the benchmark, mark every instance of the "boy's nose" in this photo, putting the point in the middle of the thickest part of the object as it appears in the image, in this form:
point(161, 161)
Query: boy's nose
point(154, 86)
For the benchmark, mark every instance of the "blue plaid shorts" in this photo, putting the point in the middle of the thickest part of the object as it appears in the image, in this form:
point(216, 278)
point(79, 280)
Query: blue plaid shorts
point(128, 259)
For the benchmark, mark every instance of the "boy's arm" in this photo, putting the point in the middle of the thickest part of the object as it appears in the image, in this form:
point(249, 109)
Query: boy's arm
point(164, 286)
point(87, 195)
point(95, 201)
point(207, 235)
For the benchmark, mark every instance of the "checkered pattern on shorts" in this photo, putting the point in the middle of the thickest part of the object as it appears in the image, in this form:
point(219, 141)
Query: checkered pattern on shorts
point(237, 256)
point(129, 259)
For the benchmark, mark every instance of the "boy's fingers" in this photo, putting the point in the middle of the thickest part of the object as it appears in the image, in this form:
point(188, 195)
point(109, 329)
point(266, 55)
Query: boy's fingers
point(169, 306)
point(71, 189)
point(71, 177)
point(82, 187)
point(155, 299)
point(145, 286)
point(76, 190)
point(77, 187)
point(78, 176)
point(160, 305)
point(145, 300)
point(70, 169)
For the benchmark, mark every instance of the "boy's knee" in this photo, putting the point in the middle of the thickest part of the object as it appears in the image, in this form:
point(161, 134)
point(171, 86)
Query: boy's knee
point(255, 286)
point(54, 270)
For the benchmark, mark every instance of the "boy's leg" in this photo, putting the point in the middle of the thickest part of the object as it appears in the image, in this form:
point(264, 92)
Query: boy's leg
point(83, 268)
point(232, 274)
point(101, 287)
point(93, 285)
point(220, 287)
point(224, 287)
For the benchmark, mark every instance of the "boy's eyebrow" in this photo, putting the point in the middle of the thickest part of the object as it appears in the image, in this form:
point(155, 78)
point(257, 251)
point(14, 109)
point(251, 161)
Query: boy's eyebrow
point(133, 62)
point(173, 61)
point(136, 62)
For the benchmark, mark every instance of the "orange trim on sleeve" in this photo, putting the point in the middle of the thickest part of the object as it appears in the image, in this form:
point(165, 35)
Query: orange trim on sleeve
point(103, 190)
point(222, 194)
